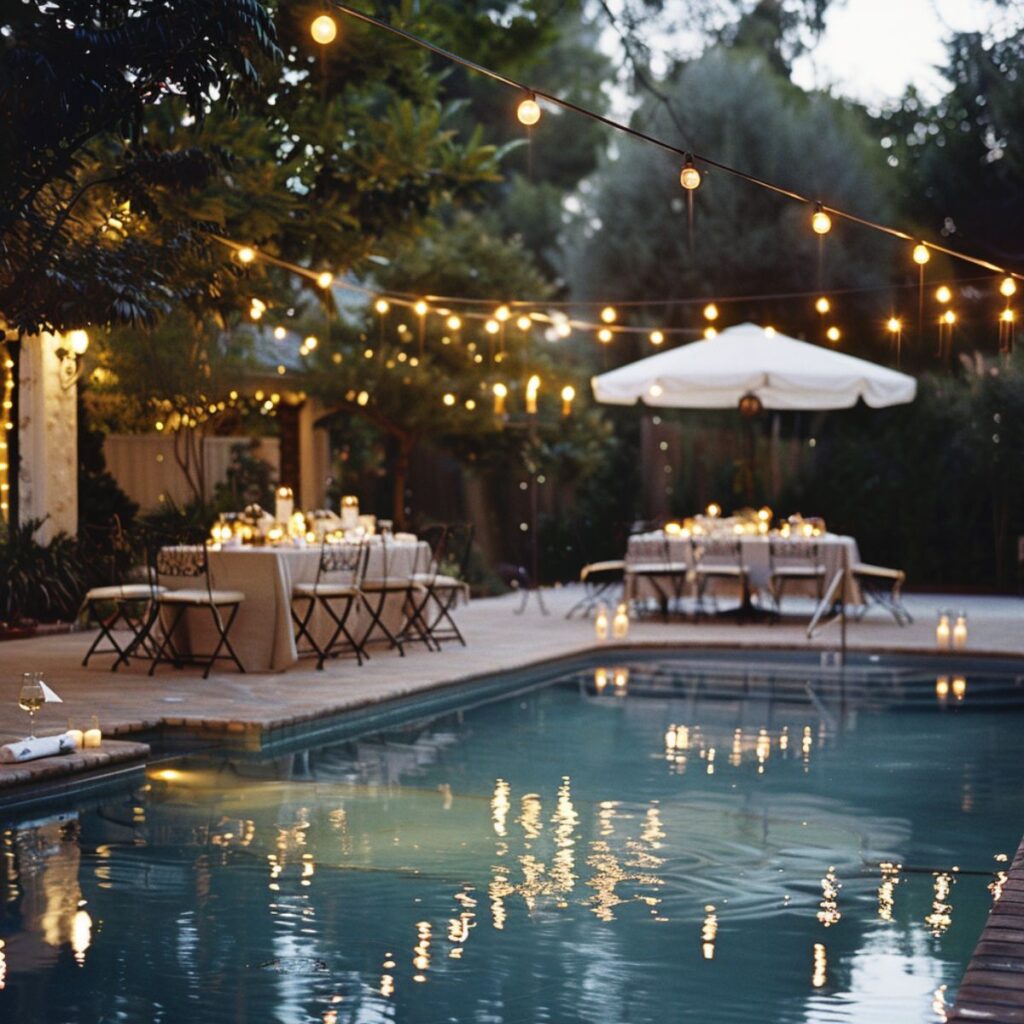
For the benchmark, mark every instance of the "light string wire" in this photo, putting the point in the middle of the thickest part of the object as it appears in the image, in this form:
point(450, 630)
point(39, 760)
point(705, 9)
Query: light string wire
point(653, 140)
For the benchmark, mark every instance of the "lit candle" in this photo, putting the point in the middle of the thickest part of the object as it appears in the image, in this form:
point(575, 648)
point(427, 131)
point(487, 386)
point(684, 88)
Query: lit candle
point(942, 631)
point(349, 511)
point(942, 687)
point(713, 511)
point(960, 631)
point(284, 504)
point(621, 678)
point(75, 735)
point(601, 623)
point(959, 687)
point(93, 736)
point(620, 624)
point(600, 679)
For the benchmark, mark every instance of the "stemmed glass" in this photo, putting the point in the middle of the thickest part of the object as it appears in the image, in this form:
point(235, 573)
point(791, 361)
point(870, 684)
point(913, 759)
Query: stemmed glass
point(31, 698)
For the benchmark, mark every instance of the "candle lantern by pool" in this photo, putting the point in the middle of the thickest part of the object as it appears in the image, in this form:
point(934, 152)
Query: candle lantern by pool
point(620, 623)
point(349, 512)
point(959, 687)
point(621, 680)
point(942, 631)
point(601, 623)
point(284, 504)
point(960, 631)
point(942, 687)
point(600, 679)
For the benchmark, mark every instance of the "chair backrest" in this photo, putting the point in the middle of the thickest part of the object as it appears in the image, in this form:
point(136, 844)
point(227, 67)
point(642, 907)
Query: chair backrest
point(679, 550)
point(786, 552)
point(430, 552)
point(458, 545)
point(347, 559)
point(715, 552)
point(187, 557)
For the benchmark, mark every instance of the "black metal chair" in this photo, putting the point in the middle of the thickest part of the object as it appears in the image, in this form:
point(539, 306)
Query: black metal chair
point(667, 568)
point(339, 577)
point(794, 559)
point(602, 582)
point(449, 583)
point(127, 597)
point(191, 562)
point(884, 587)
point(719, 559)
point(381, 583)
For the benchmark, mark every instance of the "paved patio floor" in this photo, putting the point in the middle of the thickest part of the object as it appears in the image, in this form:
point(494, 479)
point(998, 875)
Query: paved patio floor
point(497, 639)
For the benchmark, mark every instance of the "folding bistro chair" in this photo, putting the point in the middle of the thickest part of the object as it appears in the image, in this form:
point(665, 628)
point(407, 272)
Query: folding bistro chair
point(884, 587)
point(123, 599)
point(600, 582)
point(717, 559)
point(449, 583)
point(336, 590)
point(667, 569)
point(191, 562)
point(380, 584)
point(794, 559)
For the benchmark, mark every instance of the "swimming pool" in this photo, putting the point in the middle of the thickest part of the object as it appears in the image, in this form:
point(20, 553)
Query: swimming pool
point(669, 840)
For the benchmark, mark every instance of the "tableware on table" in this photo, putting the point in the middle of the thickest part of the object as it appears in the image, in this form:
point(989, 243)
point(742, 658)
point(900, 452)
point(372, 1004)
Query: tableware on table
point(31, 698)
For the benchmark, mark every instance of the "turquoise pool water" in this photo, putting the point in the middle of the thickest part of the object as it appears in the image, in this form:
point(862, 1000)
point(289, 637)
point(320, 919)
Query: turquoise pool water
point(696, 843)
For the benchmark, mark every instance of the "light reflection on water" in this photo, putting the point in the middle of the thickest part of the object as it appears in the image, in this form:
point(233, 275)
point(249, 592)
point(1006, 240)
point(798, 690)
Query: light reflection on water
point(585, 852)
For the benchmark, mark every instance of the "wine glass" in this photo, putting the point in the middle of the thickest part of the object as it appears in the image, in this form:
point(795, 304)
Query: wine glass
point(31, 698)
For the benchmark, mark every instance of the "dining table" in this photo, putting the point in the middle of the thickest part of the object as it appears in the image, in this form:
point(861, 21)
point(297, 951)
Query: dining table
point(263, 633)
point(834, 551)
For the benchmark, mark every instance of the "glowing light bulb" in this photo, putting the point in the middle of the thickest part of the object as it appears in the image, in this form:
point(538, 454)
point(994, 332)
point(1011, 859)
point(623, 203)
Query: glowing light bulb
point(657, 337)
point(453, 322)
point(311, 342)
point(894, 324)
point(449, 399)
point(568, 394)
point(608, 315)
point(689, 176)
point(710, 332)
point(524, 323)
point(921, 254)
point(823, 305)
point(949, 317)
point(943, 294)
point(325, 279)
point(502, 313)
point(1007, 287)
point(833, 334)
point(604, 336)
point(500, 392)
point(532, 387)
point(420, 309)
point(280, 333)
point(324, 29)
point(382, 306)
point(492, 327)
point(710, 311)
point(1007, 316)
point(821, 222)
point(246, 254)
point(528, 111)
point(79, 341)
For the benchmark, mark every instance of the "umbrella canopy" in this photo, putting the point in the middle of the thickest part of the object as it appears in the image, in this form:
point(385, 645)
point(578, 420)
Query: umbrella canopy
point(749, 360)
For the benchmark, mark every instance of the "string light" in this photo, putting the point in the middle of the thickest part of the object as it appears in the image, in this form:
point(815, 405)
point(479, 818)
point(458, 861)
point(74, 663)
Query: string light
point(453, 322)
point(943, 294)
point(821, 222)
point(608, 315)
point(324, 29)
point(421, 308)
point(689, 176)
point(524, 323)
point(492, 327)
point(382, 306)
point(532, 387)
point(833, 334)
point(1007, 316)
point(657, 337)
point(449, 399)
point(604, 336)
point(528, 111)
point(710, 311)
point(710, 332)
point(325, 279)
point(921, 254)
point(568, 394)
point(502, 313)
point(246, 254)
point(1008, 287)
point(311, 342)
point(894, 325)
point(280, 333)
point(949, 317)
point(500, 394)
point(822, 305)
point(8, 426)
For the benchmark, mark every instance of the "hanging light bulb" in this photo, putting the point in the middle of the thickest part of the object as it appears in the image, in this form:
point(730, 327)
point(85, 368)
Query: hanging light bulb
point(524, 323)
point(604, 335)
point(532, 387)
point(79, 341)
point(821, 222)
point(1007, 316)
point(420, 309)
point(833, 334)
point(492, 327)
point(608, 315)
point(943, 294)
point(528, 111)
point(449, 399)
point(1007, 287)
point(311, 342)
point(657, 337)
point(563, 328)
point(324, 29)
point(325, 279)
point(382, 306)
point(894, 325)
point(280, 333)
point(500, 394)
point(246, 254)
point(568, 394)
point(502, 313)
point(689, 176)
point(823, 305)
point(710, 311)
point(921, 254)
point(949, 317)
point(453, 322)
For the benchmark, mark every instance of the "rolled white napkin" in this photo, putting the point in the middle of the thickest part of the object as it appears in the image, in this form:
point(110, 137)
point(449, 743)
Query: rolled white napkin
point(41, 746)
point(405, 538)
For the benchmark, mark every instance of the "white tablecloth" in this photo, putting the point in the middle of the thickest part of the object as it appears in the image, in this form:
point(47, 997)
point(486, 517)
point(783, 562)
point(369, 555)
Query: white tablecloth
point(263, 634)
point(649, 548)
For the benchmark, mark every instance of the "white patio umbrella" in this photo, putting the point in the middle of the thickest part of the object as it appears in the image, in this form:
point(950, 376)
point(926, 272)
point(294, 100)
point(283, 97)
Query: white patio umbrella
point(781, 372)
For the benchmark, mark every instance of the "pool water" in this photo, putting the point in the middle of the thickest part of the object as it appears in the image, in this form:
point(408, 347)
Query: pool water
point(679, 844)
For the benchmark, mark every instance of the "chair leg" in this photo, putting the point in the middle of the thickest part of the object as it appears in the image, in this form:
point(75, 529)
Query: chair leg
point(302, 630)
point(339, 629)
point(106, 626)
point(223, 628)
point(377, 623)
point(444, 614)
point(167, 643)
point(413, 611)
